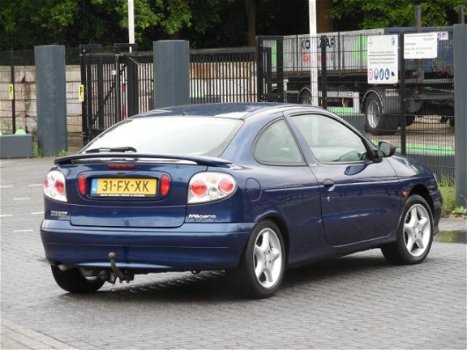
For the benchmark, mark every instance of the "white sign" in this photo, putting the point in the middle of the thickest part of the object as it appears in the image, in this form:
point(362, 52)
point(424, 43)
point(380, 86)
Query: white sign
point(421, 45)
point(383, 60)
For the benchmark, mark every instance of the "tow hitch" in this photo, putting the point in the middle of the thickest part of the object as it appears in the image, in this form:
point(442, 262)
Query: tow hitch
point(117, 273)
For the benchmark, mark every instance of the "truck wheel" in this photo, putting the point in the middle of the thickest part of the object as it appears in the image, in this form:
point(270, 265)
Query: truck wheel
point(305, 97)
point(409, 120)
point(73, 281)
point(376, 122)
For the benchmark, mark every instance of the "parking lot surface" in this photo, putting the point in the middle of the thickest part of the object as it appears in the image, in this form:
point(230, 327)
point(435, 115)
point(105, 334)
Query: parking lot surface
point(358, 301)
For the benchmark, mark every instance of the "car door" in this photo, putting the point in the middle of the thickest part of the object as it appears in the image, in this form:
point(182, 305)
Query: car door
point(359, 197)
point(289, 189)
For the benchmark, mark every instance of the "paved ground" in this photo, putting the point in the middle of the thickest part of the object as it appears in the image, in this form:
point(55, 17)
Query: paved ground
point(354, 302)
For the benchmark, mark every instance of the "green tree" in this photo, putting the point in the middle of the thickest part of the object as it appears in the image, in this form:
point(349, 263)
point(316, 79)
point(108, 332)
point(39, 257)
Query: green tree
point(25, 23)
point(363, 14)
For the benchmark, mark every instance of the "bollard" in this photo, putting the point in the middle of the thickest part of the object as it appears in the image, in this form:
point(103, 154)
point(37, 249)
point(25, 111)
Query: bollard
point(171, 73)
point(51, 99)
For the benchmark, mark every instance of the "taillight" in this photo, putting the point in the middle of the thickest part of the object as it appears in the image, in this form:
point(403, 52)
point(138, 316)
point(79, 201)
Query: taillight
point(54, 186)
point(210, 186)
point(165, 184)
point(82, 184)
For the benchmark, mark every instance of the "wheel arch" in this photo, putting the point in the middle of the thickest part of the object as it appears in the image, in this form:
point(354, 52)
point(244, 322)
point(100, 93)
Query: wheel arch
point(281, 224)
point(423, 192)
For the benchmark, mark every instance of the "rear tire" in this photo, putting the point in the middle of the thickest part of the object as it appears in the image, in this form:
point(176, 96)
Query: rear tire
point(378, 123)
point(74, 282)
point(261, 269)
point(414, 234)
point(305, 97)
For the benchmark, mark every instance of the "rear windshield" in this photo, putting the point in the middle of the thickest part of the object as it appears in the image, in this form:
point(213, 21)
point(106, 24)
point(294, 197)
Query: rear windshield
point(206, 136)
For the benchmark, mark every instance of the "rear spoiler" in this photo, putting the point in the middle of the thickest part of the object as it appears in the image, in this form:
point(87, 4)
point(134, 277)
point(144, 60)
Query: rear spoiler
point(201, 160)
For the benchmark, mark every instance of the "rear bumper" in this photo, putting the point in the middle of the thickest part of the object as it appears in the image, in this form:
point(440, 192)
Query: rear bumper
point(196, 246)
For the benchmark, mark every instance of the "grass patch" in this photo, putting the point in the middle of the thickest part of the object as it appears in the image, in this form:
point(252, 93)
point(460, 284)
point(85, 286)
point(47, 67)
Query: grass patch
point(448, 191)
point(449, 199)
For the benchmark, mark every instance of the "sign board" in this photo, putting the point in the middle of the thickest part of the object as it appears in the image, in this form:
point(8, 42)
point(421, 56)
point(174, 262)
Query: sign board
point(383, 60)
point(11, 91)
point(81, 93)
point(421, 45)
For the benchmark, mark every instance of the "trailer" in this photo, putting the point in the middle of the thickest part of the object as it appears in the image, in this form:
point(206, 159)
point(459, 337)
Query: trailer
point(345, 84)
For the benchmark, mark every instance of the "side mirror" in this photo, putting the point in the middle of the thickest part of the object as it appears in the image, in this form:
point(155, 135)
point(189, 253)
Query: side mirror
point(386, 148)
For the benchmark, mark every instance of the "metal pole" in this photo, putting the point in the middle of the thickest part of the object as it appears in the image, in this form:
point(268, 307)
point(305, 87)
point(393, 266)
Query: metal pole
point(460, 112)
point(418, 17)
point(131, 22)
point(313, 52)
point(324, 78)
point(259, 70)
point(402, 94)
point(461, 14)
point(418, 24)
point(13, 100)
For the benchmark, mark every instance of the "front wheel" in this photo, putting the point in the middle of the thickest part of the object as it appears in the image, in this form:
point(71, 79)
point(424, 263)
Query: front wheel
point(414, 235)
point(261, 270)
point(74, 281)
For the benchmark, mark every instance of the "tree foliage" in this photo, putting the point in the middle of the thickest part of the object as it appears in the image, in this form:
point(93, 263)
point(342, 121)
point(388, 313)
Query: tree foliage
point(364, 14)
point(206, 23)
point(25, 23)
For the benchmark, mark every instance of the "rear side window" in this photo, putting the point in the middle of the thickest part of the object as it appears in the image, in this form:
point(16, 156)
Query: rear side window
point(204, 136)
point(276, 145)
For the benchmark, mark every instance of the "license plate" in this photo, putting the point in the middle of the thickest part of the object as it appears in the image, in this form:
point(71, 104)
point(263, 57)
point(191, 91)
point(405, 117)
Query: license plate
point(124, 187)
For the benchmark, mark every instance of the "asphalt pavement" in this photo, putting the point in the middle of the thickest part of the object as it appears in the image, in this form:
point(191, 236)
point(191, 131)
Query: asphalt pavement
point(358, 301)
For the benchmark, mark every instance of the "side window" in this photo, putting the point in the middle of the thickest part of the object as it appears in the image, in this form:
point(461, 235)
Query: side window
point(277, 145)
point(329, 140)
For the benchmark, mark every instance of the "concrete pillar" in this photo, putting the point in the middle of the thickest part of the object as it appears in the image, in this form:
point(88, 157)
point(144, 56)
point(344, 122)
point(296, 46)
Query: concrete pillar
point(171, 73)
point(460, 111)
point(51, 99)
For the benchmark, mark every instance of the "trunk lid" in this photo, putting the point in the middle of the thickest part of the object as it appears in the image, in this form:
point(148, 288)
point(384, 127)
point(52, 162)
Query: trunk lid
point(122, 190)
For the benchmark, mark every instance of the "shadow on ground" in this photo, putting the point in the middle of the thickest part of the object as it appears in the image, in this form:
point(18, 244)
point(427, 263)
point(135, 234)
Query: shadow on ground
point(215, 286)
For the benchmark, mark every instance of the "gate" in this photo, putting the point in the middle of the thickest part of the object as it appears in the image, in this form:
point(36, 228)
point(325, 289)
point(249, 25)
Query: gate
point(120, 84)
point(116, 85)
point(270, 69)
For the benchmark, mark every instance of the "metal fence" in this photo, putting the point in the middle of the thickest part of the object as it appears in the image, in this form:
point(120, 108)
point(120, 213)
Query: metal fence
point(17, 88)
point(120, 84)
point(409, 102)
point(330, 70)
point(223, 75)
point(116, 85)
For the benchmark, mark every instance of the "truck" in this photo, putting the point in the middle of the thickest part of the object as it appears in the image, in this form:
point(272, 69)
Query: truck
point(286, 64)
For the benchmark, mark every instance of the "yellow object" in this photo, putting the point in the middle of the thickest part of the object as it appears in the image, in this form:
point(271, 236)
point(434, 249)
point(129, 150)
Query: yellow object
point(11, 91)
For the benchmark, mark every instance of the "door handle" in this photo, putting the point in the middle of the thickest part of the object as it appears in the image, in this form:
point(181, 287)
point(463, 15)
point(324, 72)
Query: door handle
point(328, 184)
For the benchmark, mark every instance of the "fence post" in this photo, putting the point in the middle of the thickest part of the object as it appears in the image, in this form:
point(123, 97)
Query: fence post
point(460, 111)
point(324, 74)
point(51, 99)
point(403, 95)
point(13, 99)
point(171, 73)
point(132, 86)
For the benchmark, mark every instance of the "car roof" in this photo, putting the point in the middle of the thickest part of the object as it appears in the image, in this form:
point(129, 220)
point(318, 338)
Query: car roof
point(226, 110)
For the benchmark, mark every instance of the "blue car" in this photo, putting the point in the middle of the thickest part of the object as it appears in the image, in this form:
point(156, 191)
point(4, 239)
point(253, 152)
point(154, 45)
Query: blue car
point(252, 189)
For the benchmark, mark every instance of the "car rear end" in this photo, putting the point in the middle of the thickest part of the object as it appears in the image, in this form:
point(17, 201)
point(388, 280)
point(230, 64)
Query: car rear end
point(132, 210)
